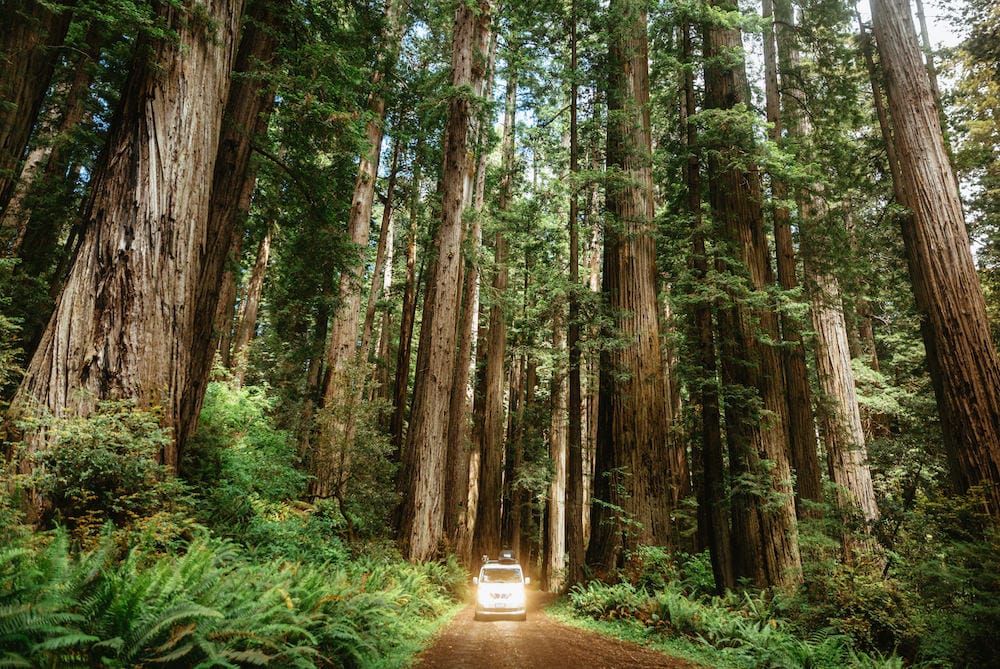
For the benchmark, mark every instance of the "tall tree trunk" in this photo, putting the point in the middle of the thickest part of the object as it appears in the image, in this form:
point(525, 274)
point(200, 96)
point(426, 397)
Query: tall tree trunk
point(125, 324)
point(31, 33)
point(801, 424)
point(488, 537)
point(764, 531)
point(381, 253)
point(840, 415)
point(47, 166)
point(343, 384)
point(248, 111)
point(248, 314)
point(713, 520)
point(426, 452)
point(947, 291)
point(407, 312)
point(591, 390)
point(458, 518)
point(574, 465)
point(555, 549)
point(632, 418)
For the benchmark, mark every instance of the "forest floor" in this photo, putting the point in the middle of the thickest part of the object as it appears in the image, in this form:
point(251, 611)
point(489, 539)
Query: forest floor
point(538, 643)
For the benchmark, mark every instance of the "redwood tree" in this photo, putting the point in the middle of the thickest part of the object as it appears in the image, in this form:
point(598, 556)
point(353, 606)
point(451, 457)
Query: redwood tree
point(764, 531)
point(30, 34)
point(124, 325)
point(426, 445)
point(961, 357)
point(631, 485)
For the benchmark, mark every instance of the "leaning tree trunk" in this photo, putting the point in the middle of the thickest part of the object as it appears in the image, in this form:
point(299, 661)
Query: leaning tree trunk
point(632, 418)
point(125, 324)
point(840, 415)
point(947, 291)
point(425, 454)
point(764, 531)
point(343, 385)
point(31, 33)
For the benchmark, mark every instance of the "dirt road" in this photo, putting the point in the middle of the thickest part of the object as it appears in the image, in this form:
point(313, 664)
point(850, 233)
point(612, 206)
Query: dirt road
point(538, 643)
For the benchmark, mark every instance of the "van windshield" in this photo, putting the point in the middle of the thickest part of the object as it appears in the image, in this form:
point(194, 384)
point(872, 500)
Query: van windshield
point(501, 575)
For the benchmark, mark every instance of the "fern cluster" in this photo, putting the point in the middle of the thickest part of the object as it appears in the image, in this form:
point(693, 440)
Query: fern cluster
point(208, 606)
point(742, 630)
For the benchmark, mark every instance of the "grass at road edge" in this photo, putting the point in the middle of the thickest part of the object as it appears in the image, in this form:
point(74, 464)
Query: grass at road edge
point(635, 632)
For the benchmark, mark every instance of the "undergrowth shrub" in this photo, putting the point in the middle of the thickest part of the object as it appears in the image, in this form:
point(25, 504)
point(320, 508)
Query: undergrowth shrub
point(103, 468)
point(746, 630)
point(949, 556)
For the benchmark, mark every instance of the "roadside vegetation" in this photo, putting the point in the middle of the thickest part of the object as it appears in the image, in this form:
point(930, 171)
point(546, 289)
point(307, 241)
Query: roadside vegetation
point(137, 569)
point(937, 605)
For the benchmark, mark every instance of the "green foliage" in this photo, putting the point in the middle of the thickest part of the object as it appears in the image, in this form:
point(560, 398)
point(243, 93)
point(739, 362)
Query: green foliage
point(949, 556)
point(356, 454)
point(246, 472)
point(209, 606)
point(10, 369)
point(102, 467)
point(747, 630)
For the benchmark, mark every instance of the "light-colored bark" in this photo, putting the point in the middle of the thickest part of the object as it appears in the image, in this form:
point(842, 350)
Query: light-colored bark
point(248, 313)
point(342, 385)
point(960, 353)
point(555, 550)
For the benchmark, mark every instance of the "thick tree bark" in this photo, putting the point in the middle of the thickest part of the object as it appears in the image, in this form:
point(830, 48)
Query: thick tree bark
point(125, 323)
point(248, 110)
point(947, 291)
point(713, 520)
point(488, 531)
point(764, 531)
point(423, 517)
point(31, 33)
point(801, 424)
point(840, 415)
point(632, 419)
point(458, 520)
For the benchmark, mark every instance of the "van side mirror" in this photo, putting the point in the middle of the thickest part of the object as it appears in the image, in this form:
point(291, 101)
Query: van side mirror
point(527, 580)
point(475, 580)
